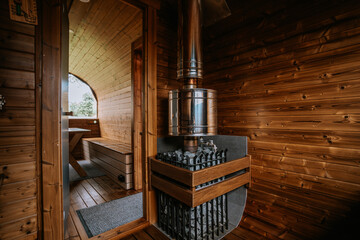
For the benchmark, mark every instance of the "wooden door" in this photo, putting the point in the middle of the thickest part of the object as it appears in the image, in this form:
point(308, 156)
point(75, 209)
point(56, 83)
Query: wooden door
point(64, 110)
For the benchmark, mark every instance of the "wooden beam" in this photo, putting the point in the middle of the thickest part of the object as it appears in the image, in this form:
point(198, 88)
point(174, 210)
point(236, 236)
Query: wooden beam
point(176, 191)
point(53, 225)
point(214, 172)
point(195, 178)
point(149, 112)
point(178, 174)
point(188, 194)
point(203, 195)
point(77, 166)
point(194, 198)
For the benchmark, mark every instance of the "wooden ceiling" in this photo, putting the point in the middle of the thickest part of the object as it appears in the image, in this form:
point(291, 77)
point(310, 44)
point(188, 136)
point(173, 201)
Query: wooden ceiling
point(101, 33)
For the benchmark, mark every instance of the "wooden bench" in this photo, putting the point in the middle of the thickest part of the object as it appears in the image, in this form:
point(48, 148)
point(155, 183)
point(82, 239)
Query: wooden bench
point(113, 157)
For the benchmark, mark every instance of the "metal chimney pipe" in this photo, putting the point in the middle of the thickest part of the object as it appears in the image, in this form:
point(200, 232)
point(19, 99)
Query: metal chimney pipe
point(192, 110)
point(190, 59)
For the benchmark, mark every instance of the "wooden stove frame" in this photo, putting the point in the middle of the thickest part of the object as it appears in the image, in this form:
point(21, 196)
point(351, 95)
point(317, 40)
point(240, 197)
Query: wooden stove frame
point(188, 194)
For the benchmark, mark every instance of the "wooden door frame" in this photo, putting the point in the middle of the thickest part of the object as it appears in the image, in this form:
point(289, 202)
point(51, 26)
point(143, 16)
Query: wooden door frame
point(137, 85)
point(51, 167)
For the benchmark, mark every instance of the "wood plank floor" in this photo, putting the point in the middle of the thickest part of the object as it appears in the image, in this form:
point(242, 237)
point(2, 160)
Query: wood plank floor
point(87, 193)
point(152, 233)
point(90, 192)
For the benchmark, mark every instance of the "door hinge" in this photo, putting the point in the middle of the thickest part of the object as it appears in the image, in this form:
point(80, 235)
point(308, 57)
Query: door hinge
point(2, 102)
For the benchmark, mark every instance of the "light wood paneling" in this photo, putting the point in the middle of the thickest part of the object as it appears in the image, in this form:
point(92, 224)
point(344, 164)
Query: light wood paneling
point(114, 158)
point(287, 77)
point(101, 33)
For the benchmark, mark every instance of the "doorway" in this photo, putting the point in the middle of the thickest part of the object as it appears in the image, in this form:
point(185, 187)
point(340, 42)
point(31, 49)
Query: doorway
point(49, 35)
point(101, 41)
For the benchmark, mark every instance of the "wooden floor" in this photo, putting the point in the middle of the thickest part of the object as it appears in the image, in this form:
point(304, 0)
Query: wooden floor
point(88, 193)
point(152, 233)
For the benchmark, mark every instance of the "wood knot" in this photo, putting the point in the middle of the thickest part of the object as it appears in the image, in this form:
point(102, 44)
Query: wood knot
point(325, 76)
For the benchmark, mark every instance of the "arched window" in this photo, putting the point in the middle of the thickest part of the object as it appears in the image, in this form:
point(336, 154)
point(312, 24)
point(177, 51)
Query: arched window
point(82, 100)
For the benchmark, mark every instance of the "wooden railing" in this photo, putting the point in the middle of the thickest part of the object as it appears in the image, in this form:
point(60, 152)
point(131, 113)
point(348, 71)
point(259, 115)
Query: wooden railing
point(180, 183)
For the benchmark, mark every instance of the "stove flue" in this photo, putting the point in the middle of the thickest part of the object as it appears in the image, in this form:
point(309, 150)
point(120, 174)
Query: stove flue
point(192, 110)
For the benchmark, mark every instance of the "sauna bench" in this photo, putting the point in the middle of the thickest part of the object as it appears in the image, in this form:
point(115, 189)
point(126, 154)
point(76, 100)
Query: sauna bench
point(113, 157)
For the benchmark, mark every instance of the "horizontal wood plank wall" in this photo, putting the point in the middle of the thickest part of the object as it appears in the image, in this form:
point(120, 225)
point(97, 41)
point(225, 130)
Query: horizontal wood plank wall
point(101, 33)
point(18, 193)
point(166, 62)
point(287, 76)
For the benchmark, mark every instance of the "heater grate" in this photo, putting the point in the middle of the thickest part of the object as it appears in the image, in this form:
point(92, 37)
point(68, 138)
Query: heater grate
point(206, 221)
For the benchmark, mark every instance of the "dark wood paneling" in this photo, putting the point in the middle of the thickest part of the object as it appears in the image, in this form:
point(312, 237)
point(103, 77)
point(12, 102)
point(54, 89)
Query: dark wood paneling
point(17, 154)
point(20, 229)
point(17, 210)
point(17, 60)
point(18, 190)
point(16, 41)
point(16, 79)
point(287, 77)
point(166, 62)
point(18, 194)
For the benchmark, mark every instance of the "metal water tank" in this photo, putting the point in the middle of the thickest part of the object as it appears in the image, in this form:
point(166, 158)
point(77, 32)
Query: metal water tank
point(192, 112)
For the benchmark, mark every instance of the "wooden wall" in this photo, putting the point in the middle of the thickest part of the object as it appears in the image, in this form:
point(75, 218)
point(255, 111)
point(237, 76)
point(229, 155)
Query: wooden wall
point(101, 33)
point(166, 62)
point(18, 193)
point(287, 75)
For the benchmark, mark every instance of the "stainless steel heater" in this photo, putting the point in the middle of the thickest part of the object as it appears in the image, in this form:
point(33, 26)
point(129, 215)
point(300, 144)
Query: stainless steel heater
point(194, 200)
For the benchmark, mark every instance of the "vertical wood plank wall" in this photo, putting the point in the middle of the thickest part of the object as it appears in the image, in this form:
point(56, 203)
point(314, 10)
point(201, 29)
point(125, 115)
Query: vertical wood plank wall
point(100, 54)
point(287, 76)
point(18, 194)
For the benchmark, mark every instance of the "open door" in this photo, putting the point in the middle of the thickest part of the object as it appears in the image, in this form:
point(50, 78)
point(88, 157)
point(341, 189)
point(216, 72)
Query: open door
point(65, 110)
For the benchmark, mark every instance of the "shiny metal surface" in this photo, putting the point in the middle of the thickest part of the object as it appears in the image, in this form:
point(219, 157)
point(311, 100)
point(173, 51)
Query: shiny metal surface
point(192, 112)
point(190, 143)
point(190, 60)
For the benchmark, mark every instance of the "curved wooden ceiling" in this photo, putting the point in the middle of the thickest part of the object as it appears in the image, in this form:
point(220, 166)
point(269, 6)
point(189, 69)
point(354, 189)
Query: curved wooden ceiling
point(101, 33)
